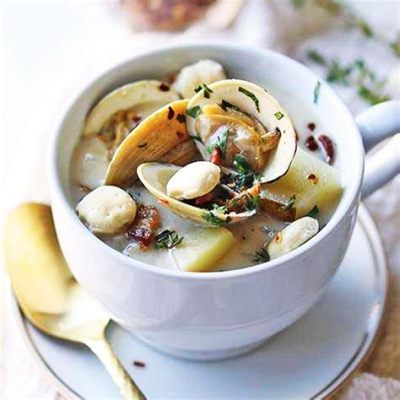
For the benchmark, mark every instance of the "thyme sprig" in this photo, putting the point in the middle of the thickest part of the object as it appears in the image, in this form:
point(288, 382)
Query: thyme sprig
point(356, 74)
point(213, 220)
point(261, 255)
point(167, 239)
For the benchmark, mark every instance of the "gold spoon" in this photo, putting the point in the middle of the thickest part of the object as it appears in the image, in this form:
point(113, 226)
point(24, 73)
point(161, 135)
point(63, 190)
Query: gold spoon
point(48, 294)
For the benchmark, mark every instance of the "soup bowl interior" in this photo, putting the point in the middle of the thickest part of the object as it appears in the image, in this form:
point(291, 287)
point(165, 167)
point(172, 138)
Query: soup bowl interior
point(158, 302)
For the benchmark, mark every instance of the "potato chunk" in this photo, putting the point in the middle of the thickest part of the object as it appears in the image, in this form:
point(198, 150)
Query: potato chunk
point(313, 182)
point(202, 248)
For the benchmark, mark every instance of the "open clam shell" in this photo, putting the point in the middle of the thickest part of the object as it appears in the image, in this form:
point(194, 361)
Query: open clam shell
point(155, 177)
point(143, 97)
point(262, 127)
point(161, 136)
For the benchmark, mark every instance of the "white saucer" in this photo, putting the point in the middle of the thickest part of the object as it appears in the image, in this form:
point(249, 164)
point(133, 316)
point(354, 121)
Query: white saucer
point(310, 359)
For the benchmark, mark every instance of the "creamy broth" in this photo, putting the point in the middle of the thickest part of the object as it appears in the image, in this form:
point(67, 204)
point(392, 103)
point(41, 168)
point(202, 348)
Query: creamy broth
point(89, 165)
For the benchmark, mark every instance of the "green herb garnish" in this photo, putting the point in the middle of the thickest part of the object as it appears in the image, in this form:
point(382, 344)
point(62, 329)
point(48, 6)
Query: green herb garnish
point(317, 91)
point(262, 255)
point(371, 96)
point(314, 212)
point(290, 204)
point(225, 105)
point(167, 239)
point(317, 57)
point(196, 137)
point(194, 112)
point(181, 118)
point(252, 97)
point(219, 209)
point(221, 143)
point(240, 164)
point(213, 220)
point(278, 115)
point(252, 203)
point(207, 90)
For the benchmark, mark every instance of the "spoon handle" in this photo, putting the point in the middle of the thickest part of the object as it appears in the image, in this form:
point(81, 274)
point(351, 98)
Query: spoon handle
point(103, 351)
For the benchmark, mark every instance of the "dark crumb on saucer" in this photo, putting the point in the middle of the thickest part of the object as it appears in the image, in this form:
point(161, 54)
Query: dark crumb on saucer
point(139, 364)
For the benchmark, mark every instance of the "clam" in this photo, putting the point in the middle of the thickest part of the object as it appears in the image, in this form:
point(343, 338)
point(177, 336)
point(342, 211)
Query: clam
point(155, 177)
point(162, 136)
point(241, 118)
point(142, 98)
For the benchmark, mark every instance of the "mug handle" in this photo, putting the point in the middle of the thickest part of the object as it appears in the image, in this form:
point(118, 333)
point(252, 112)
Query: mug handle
point(376, 124)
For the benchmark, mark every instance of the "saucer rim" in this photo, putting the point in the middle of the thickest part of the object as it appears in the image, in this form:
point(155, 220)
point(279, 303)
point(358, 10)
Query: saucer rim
point(364, 350)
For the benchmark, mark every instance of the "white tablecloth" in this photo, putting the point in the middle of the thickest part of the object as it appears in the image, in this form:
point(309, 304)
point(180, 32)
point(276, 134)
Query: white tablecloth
point(53, 48)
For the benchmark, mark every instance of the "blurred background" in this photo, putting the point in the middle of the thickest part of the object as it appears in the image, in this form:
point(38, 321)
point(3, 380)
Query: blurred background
point(52, 48)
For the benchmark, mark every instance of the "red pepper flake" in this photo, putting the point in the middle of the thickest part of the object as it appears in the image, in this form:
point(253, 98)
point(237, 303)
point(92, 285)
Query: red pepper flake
point(216, 155)
point(311, 143)
point(171, 113)
point(180, 134)
point(163, 202)
point(313, 178)
point(329, 150)
point(171, 79)
point(311, 126)
point(137, 119)
point(139, 364)
point(164, 88)
point(204, 199)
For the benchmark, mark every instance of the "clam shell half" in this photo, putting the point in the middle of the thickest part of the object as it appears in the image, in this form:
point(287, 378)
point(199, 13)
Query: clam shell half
point(238, 96)
point(155, 177)
point(161, 136)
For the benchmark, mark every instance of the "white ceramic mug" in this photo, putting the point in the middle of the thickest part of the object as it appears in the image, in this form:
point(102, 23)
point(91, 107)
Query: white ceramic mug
point(214, 315)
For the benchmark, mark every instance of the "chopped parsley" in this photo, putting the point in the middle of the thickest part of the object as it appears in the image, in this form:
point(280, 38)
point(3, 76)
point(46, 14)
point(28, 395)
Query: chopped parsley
point(196, 137)
point(205, 88)
point(261, 255)
point(240, 164)
point(225, 105)
point(167, 239)
point(278, 115)
point(181, 118)
point(290, 204)
point(251, 95)
point(314, 212)
point(194, 111)
point(219, 209)
point(213, 220)
point(317, 91)
point(252, 203)
point(221, 143)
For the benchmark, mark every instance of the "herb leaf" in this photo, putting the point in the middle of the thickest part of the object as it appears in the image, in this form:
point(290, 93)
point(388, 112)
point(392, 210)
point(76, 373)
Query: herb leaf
point(278, 115)
point(225, 105)
point(221, 143)
point(262, 255)
point(194, 111)
point(181, 118)
point(251, 95)
point(213, 220)
point(290, 204)
point(196, 137)
point(314, 212)
point(240, 164)
point(167, 240)
point(317, 91)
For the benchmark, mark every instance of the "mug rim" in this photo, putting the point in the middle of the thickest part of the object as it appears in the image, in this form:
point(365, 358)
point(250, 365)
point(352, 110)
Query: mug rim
point(351, 193)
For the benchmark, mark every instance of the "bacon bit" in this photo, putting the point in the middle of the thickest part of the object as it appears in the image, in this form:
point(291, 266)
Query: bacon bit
point(146, 223)
point(311, 143)
point(311, 126)
point(180, 134)
point(313, 178)
point(163, 202)
point(164, 88)
point(204, 199)
point(216, 155)
point(139, 364)
point(171, 113)
point(85, 189)
point(329, 150)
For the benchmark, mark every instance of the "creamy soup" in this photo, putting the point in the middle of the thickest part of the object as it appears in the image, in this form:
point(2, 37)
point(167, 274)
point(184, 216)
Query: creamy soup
point(226, 179)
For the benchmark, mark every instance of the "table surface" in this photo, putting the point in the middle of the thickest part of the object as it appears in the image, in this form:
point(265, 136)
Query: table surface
point(52, 48)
